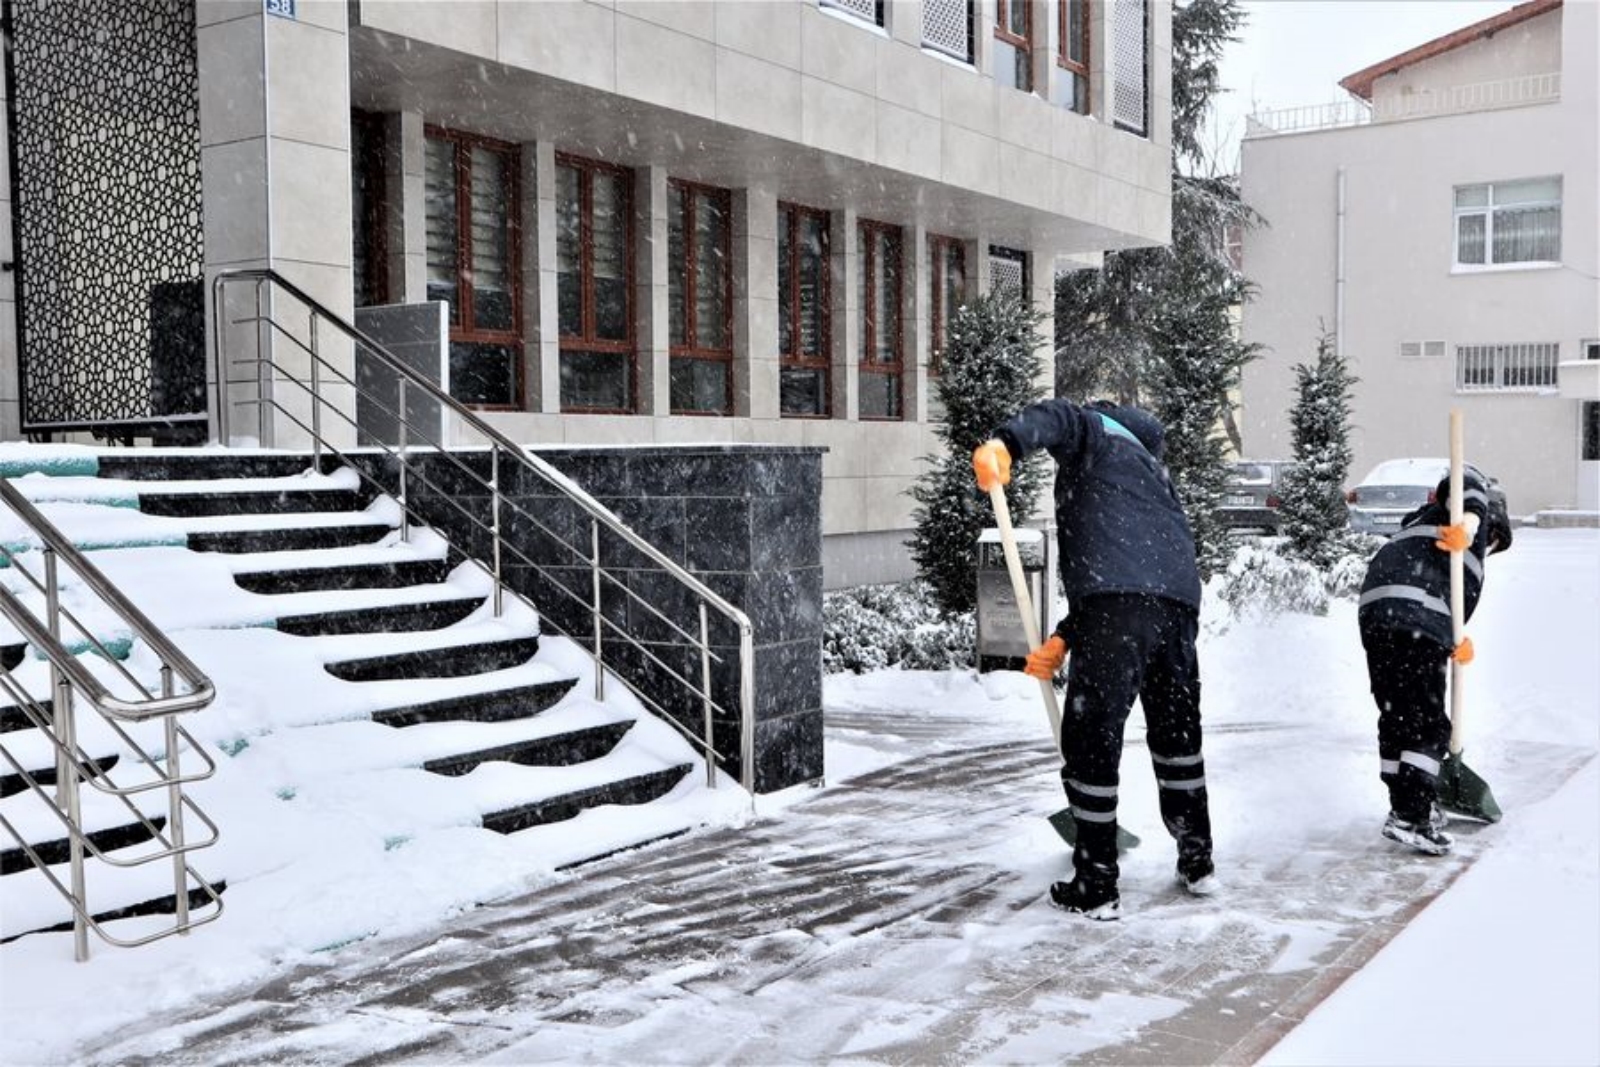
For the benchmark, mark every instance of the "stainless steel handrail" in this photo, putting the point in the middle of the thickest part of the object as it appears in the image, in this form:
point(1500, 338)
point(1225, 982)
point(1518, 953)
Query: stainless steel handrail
point(499, 444)
point(71, 678)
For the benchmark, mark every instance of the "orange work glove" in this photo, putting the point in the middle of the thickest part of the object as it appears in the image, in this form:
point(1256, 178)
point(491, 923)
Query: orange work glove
point(1453, 538)
point(1462, 655)
point(991, 462)
point(1046, 660)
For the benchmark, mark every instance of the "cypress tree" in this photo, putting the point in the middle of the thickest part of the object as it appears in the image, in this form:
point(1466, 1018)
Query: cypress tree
point(1314, 511)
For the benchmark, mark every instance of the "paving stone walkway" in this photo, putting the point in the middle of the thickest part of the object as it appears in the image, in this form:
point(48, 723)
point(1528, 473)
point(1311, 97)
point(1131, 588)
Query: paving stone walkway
point(884, 921)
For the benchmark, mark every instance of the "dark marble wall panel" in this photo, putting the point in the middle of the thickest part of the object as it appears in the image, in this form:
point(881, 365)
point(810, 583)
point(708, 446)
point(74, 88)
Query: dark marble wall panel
point(744, 519)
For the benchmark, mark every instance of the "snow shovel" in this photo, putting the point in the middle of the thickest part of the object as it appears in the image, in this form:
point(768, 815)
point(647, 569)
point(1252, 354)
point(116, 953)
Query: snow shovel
point(1062, 821)
point(1461, 792)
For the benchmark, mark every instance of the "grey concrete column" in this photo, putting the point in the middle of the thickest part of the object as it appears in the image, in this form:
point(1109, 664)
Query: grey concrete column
point(275, 169)
point(1046, 14)
point(1042, 274)
point(983, 37)
point(755, 303)
point(405, 193)
point(916, 315)
point(846, 314)
point(540, 310)
point(904, 18)
point(977, 253)
point(1100, 79)
point(650, 287)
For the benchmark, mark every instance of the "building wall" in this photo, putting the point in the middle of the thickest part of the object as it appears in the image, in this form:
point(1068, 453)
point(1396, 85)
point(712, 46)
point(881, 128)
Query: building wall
point(1400, 286)
point(1531, 47)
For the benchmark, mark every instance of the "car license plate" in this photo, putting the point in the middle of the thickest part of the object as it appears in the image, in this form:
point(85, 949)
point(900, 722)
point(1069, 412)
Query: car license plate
point(1386, 520)
point(1241, 501)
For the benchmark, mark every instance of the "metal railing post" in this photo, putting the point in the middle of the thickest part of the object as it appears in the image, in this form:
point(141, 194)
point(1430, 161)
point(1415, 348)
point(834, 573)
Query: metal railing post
point(316, 400)
point(747, 709)
point(180, 880)
point(219, 353)
point(263, 368)
point(594, 563)
point(405, 496)
point(67, 763)
point(705, 697)
point(494, 528)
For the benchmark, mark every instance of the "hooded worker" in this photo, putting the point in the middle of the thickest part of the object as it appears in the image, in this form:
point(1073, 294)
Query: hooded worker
point(1133, 587)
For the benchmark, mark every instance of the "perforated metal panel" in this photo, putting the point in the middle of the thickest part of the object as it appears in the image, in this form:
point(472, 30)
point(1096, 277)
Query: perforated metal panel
point(867, 10)
point(947, 28)
point(1008, 271)
point(1129, 65)
point(105, 125)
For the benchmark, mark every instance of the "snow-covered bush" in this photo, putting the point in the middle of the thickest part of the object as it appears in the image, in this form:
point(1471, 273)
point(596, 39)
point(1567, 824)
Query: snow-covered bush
point(1265, 578)
point(872, 627)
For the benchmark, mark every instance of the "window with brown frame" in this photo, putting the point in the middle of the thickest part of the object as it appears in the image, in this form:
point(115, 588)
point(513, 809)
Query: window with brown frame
point(947, 284)
point(594, 285)
point(1013, 44)
point(700, 298)
point(1072, 88)
point(470, 209)
point(882, 369)
point(368, 208)
point(805, 343)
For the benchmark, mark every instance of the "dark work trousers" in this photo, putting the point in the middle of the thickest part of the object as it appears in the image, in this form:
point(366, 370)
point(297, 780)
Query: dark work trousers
point(1122, 647)
point(1408, 682)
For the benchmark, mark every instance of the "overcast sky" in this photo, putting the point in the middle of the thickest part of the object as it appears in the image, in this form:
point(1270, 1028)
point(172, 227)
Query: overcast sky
point(1294, 52)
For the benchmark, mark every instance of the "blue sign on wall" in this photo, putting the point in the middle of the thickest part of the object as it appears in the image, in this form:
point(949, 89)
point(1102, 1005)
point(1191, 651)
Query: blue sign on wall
point(284, 9)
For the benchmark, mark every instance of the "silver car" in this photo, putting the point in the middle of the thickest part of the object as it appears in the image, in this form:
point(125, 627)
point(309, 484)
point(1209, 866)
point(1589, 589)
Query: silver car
point(1252, 495)
point(1397, 487)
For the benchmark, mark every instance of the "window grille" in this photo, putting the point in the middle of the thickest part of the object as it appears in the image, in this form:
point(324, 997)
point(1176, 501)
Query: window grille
point(1008, 271)
point(947, 28)
point(1591, 350)
point(1130, 73)
point(866, 10)
point(1421, 349)
point(1508, 222)
point(1591, 431)
point(1506, 368)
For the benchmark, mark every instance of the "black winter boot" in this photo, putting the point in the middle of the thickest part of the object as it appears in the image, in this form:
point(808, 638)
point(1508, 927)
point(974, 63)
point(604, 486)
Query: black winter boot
point(1426, 835)
point(1096, 901)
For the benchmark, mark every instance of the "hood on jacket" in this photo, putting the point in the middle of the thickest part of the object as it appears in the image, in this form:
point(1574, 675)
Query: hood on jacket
point(1143, 425)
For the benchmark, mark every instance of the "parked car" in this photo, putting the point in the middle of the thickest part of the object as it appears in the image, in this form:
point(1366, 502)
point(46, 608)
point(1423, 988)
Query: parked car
point(1397, 487)
point(1251, 497)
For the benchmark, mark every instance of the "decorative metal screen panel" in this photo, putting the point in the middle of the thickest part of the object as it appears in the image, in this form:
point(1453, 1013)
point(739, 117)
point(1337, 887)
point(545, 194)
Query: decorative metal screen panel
point(947, 28)
point(869, 10)
point(1008, 271)
point(105, 124)
point(1129, 64)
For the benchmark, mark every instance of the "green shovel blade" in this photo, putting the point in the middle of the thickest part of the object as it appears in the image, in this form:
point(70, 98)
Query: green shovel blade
point(1067, 827)
point(1463, 793)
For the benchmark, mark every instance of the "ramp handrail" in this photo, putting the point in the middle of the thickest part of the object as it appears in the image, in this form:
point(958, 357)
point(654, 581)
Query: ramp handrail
point(183, 688)
point(502, 452)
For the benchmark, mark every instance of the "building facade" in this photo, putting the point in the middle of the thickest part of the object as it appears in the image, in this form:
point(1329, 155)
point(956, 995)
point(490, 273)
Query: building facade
point(653, 222)
point(1444, 226)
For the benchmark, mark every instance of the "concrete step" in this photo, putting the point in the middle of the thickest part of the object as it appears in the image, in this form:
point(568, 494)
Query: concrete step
point(12, 784)
point(497, 705)
point(638, 789)
point(392, 618)
point(276, 502)
point(358, 576)
point(450, 661)
point(15, 860)
point(289, 539)
point(560, 750)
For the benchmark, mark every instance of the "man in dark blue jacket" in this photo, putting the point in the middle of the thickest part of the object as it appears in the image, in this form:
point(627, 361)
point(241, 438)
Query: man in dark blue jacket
point(1128, 569)
point(1409, 639)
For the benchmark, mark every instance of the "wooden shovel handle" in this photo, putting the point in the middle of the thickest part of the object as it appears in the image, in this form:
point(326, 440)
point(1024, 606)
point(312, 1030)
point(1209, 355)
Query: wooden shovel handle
point(1019, 589)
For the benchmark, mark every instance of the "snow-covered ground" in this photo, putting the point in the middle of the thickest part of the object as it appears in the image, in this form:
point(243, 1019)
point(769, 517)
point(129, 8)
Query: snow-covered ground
point(1503, 967)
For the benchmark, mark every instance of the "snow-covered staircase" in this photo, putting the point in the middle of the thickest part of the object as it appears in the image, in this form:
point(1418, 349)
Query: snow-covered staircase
point(368, 696)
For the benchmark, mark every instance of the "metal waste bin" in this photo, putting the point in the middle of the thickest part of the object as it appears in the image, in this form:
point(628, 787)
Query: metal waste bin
point(1002, 641)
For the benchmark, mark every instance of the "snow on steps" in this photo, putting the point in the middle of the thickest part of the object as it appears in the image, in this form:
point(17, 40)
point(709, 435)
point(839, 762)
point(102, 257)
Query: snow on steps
point(389, 761)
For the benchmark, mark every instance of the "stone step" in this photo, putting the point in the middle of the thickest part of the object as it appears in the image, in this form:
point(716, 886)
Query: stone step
point(559, 750)
point(208, 466)
point(12, 784)
point(277, 502)
point(356, 576)
point(12, 717)
point(289, 539)
point(390, 618)
point(450, 661)
point(496, 705)
point(11, 655)
point(639, 789)
point(15, 860)
point(167, 905)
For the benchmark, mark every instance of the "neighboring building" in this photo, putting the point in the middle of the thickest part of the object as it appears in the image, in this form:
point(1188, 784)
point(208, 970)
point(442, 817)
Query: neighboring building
point(655, 223)
point(1444, 224)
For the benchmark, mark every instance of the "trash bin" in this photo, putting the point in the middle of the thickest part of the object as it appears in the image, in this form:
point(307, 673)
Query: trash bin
point(1002, 641)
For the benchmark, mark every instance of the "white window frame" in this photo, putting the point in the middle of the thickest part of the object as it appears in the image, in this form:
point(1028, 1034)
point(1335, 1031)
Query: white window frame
point(1487, 210)
point(1518, 357)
